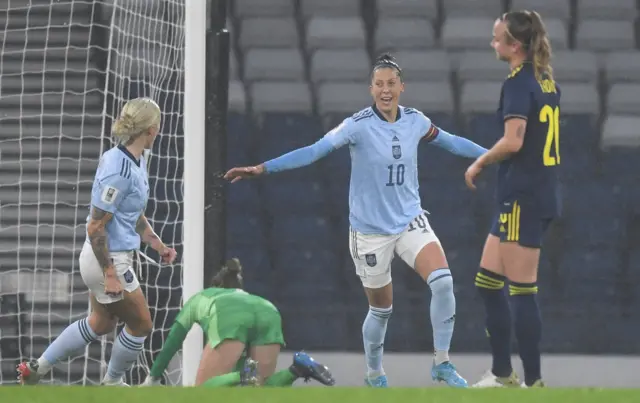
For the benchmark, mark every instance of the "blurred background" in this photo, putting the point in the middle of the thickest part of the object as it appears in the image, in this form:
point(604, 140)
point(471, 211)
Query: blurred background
point(297, 69)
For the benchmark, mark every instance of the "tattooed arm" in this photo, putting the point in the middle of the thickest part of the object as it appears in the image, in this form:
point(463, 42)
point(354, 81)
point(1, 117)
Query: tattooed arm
point(510, 143)
point(148, 236)
point(97, 231)
point(516, 107)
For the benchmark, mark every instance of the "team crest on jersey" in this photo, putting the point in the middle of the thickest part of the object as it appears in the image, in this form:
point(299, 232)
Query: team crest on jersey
point(128, 277)
point(371, 260)
point(503, 220)
point(396, 150)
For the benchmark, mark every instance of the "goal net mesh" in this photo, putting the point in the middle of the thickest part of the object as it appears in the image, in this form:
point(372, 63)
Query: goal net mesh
point(66, 69)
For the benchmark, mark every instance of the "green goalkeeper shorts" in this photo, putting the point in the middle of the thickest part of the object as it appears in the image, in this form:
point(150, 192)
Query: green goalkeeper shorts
point(247, 318)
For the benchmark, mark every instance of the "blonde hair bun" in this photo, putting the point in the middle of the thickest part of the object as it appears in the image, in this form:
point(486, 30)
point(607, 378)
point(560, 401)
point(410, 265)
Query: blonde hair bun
point(136, 117)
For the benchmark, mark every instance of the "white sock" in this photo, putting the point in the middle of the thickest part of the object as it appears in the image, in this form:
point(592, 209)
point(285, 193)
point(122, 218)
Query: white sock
point(124, 353)
point(73, 338)
point(440, 356)
point(44, 366)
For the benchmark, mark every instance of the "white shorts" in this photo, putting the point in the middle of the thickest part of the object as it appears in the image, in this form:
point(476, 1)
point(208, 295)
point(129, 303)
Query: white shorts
point(93, 277)
point(372, 254)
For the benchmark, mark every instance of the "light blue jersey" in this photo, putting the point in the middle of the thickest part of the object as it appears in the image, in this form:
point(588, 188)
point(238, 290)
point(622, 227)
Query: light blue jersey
point(383, 192)
point(121, 187)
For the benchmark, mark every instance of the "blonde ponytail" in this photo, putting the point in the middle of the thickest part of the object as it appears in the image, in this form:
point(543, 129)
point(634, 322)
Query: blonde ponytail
point(540, 48)
point(137, 116)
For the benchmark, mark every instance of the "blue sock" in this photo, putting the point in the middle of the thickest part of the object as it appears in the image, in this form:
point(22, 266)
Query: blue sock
point(374, 330)
point(443, 312)
point(528, 326)
point(124, 353)
point(73, 338)
point(498, 321)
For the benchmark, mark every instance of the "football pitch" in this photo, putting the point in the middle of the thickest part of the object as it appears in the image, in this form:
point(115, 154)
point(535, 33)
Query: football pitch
point(69, 394)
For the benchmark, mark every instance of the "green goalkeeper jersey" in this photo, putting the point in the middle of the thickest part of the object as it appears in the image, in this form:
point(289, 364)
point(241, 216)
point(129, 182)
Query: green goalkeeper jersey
point(223, 314)
point(201, 308)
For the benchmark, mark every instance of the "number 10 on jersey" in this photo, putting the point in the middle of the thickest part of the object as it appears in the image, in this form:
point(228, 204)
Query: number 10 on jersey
point(396, 175)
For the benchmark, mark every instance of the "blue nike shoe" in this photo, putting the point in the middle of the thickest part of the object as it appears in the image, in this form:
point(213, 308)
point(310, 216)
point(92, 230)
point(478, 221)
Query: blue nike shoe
point(377, 382)
point(306, 367)
point(446, 372)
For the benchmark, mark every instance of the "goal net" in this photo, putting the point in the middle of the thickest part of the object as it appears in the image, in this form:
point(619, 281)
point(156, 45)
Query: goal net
point(66, 68)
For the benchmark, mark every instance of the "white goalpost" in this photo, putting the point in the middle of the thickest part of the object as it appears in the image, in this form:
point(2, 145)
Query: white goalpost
point(161, 45)
point(194, 128)
point(66, 69)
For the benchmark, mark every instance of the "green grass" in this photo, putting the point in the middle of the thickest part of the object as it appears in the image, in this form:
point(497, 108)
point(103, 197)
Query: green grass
point(69, 394)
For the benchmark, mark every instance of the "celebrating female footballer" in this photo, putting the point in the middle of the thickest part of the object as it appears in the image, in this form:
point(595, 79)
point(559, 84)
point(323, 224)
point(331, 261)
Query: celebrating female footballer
point(115, 227)
point(385, 212)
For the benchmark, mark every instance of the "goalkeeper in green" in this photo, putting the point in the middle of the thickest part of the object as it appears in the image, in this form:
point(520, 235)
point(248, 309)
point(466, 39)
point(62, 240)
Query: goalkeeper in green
point(236, 323)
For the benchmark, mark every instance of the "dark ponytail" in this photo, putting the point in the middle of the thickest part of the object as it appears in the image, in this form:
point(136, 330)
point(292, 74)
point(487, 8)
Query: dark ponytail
point(230, 275)
point(527, 28)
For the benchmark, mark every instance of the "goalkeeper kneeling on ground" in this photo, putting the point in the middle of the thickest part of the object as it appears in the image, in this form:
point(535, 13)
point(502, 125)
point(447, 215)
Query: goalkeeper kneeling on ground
point(236, 323)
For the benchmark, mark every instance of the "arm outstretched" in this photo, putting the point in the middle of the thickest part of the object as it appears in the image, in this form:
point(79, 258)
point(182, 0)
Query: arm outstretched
point(457, 145)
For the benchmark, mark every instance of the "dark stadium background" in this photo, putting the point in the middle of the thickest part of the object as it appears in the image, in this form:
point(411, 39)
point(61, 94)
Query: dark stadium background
point(287, 88)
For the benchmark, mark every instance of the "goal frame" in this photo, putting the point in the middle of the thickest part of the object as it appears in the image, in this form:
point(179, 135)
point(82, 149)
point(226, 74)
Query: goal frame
point(206, 76)
point(194, 175)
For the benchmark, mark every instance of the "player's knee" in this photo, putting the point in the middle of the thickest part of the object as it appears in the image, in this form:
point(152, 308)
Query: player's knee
point(429, 259)
point(380, 297)
point(145, 327)
point(441, 282)
point(101, 324)
point(141, 327)
point(487, 281)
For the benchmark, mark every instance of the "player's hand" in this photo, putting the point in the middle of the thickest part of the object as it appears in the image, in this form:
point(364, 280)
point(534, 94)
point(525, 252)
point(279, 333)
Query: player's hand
point(472, 172)
point(112, 284)
point(168, 255)
point(235, 174)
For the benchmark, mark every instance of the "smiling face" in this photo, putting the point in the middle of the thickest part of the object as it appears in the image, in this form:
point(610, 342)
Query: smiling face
point(502, 42)
point(386, 86)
